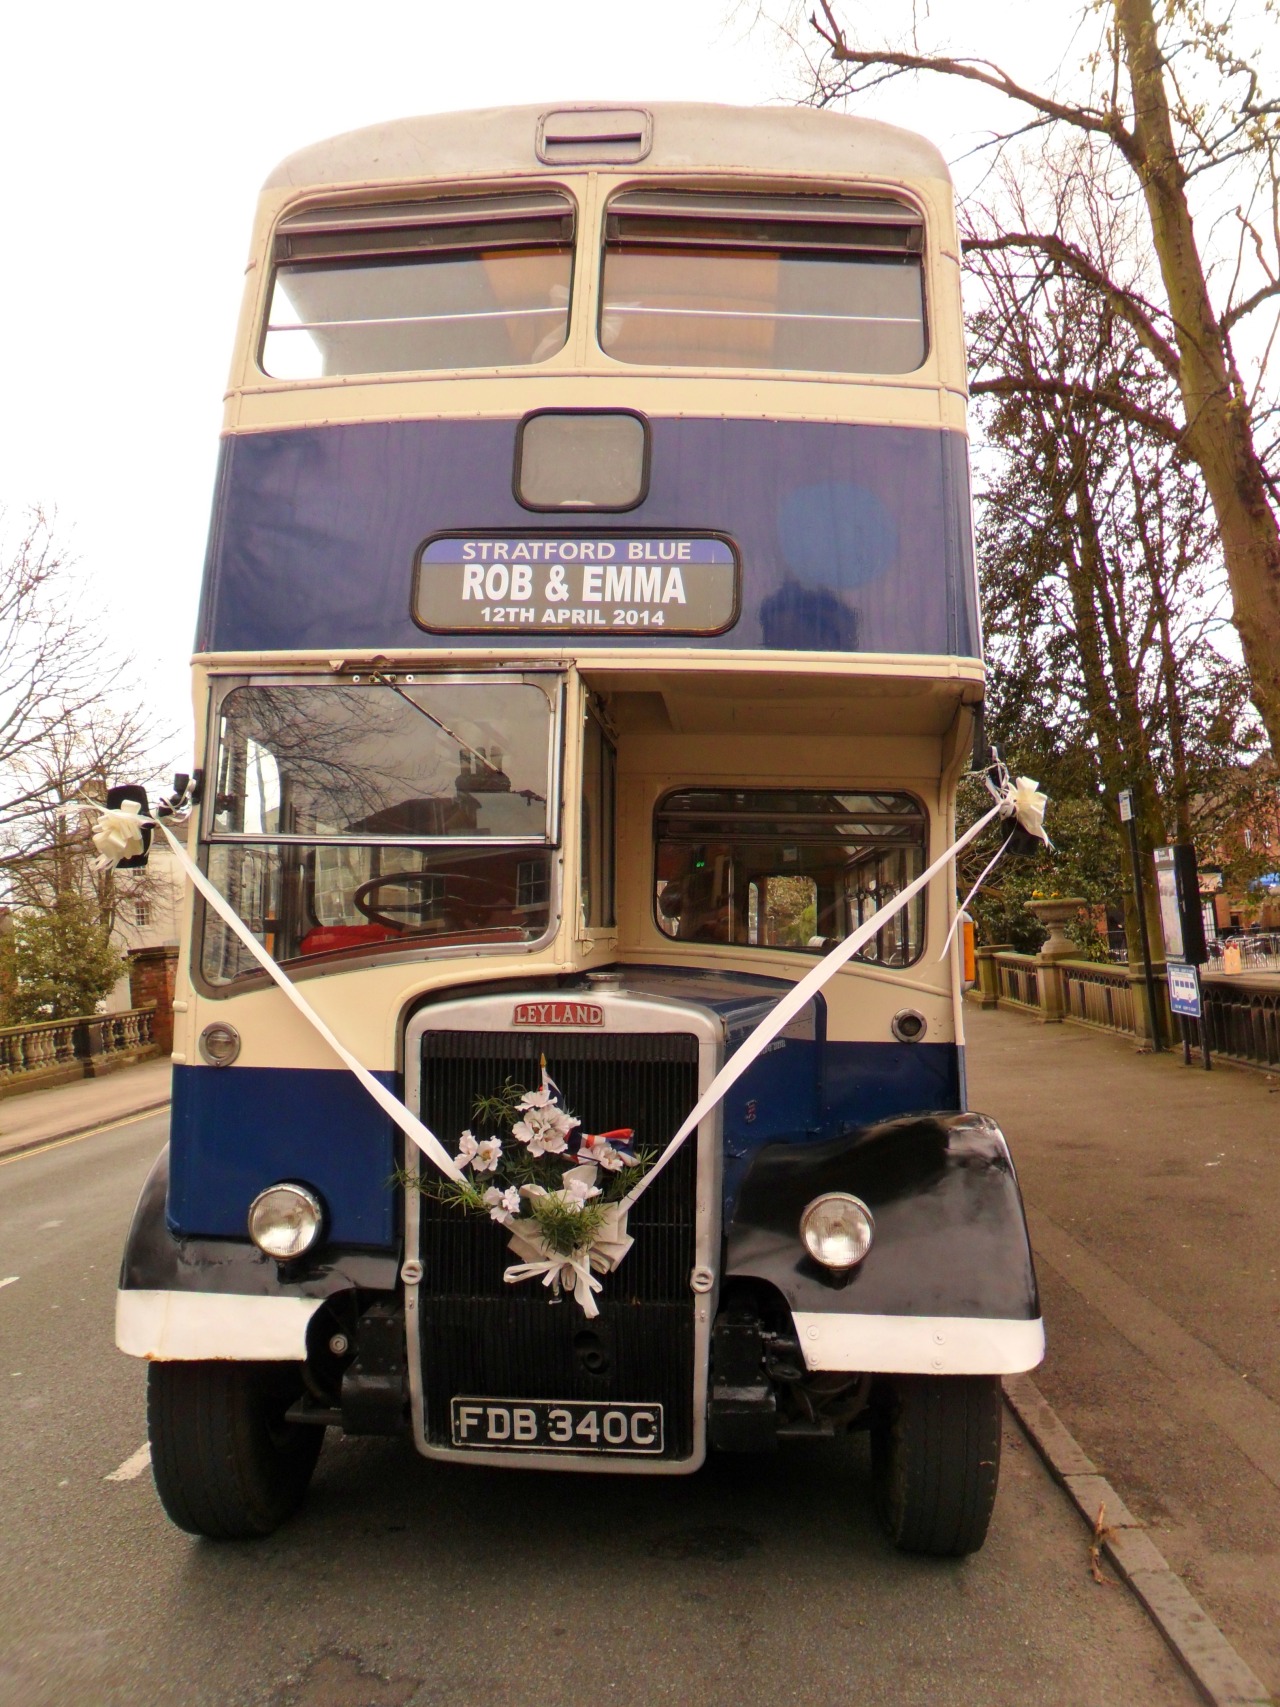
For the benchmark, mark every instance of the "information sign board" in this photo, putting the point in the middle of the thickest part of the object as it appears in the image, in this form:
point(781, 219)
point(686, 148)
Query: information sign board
point(563, 583)
point(1184, 989)
point(1178, 888)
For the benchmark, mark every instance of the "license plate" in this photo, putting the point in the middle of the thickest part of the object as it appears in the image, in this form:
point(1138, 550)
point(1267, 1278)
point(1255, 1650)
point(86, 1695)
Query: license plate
point(556, 1425)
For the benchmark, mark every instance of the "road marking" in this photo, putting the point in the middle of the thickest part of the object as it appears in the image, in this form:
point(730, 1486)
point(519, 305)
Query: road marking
point(131, 1467)
point(78, 1137)
point(9, 1280)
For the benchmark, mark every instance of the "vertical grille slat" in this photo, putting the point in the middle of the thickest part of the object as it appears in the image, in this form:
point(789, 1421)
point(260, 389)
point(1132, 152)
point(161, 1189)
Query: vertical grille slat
point(482, 1337)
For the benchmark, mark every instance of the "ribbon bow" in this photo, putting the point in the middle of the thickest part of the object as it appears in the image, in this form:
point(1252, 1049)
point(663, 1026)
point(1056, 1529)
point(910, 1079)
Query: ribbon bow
point(1023, 800)
point(118, 835)
point(606, 1250)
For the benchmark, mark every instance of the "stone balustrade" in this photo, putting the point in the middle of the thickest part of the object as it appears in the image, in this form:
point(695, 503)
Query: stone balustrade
point(55, 1051)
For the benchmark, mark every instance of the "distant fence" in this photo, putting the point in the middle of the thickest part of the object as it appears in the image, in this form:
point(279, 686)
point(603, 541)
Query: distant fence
point(53, 1051)
point(1242, 1016)
point(1243, 1021)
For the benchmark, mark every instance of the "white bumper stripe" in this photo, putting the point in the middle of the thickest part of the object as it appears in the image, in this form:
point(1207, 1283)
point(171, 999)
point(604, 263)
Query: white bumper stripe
point(919, 1345)
point(190, 1326)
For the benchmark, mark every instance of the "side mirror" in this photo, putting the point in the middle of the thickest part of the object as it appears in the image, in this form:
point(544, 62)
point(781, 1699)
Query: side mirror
point(116, 798)
point(1022, 844)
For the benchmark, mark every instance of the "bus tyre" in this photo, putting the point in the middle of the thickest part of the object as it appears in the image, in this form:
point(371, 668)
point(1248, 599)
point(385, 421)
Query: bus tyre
point(935, 1461)
point(226, 1463)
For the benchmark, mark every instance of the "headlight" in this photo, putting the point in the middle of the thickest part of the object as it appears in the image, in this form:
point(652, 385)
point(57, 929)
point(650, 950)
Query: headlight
point(219, 1043)
point(837, 1230)
point(285, 1221)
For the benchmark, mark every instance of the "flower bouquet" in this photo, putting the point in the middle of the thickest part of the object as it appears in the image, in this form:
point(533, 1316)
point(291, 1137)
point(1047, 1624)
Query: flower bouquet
point(559, 1190)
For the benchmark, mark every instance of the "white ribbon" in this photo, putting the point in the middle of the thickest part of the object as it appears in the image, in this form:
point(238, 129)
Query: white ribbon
point(1021, 800)
point(609, 1245)
point(409, 1124)
point(1010, 801)
point(1028, 806)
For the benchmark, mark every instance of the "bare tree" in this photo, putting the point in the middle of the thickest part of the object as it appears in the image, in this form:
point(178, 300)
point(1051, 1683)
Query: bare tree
point(69, 725)
point(1102, 578)
point(1174, 107)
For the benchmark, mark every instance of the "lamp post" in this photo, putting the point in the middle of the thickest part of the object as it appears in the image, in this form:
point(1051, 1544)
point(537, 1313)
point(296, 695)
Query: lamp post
point(1127, 817)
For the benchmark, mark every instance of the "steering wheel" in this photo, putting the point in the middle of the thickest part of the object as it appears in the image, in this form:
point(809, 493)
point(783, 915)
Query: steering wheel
point(486, 895)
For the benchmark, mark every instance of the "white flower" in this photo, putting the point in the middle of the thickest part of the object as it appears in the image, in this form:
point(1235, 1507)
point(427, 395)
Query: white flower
point(468, 1149)
point(578, 1193)
point(502, 1203)
point(608, 1157)
point(488, 1155)
point(536, 1099)
point(544, 1130)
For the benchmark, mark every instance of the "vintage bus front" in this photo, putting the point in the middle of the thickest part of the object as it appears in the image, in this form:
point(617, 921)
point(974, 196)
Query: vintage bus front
point(589, 643)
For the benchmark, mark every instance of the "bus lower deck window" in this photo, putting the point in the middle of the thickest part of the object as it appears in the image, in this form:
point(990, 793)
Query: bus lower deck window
point(808, 283)
point(789, 869)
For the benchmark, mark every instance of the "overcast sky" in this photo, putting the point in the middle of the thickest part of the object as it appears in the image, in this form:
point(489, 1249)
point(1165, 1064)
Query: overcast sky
point(135, 138)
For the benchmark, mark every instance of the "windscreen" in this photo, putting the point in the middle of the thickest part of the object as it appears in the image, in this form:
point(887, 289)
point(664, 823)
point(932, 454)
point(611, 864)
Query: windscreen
point(789, 869)
point(356, 816)
point(809, 283)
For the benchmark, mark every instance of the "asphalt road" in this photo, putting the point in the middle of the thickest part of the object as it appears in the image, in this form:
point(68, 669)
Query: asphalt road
point(404, 1583)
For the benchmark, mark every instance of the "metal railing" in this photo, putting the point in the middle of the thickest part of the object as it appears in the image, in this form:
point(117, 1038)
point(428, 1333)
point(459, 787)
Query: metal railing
point(73, 1047)
point(1242, 1019)
point(1256, 953)
point(1098, 994)
point(1019, 980)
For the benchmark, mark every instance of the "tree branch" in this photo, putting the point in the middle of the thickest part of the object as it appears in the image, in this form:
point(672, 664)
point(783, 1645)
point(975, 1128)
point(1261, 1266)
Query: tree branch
point(982, 71)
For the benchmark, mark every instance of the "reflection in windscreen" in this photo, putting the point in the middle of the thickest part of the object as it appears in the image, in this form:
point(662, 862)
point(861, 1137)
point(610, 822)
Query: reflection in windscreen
point(486, 308)
point(304, 901)
point(460, 760)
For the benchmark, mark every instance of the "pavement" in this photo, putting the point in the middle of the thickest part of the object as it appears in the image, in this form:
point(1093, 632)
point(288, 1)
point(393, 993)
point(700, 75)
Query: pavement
point(43, 1116)
point(1153, 1197)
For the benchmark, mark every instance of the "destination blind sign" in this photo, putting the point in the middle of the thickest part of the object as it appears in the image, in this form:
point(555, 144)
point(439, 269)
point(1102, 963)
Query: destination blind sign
point(577, 584)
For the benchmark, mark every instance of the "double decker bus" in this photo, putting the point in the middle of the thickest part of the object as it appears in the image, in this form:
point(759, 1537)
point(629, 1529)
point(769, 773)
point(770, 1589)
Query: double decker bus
point(589, 642)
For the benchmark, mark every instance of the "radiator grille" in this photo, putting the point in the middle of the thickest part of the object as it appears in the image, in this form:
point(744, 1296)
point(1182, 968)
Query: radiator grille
point(484, 1338)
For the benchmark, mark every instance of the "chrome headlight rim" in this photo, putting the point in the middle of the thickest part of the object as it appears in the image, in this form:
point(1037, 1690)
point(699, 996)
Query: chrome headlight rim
point(297, 1210)
point(810, 1237)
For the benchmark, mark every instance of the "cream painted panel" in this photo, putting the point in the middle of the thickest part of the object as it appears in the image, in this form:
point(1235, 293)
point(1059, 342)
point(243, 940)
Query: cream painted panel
point(798, 140)
point(478, 395)
point(637, 666)
point(363, 1004)
point(933, 395)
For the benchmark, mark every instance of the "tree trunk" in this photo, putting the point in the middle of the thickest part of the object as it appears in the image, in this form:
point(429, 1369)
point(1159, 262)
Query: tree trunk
point(1219, 433)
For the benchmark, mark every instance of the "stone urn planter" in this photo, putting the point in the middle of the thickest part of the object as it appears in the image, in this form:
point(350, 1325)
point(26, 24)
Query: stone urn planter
point(1057, 914)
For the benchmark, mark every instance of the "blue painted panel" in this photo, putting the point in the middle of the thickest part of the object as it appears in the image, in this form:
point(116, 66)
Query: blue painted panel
point(853, 538)
point(810, 1091)
point(237, 1130)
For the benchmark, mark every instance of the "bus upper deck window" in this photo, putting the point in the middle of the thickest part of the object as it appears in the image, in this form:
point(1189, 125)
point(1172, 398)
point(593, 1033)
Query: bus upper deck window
point(812, 283)
point(408, 287)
